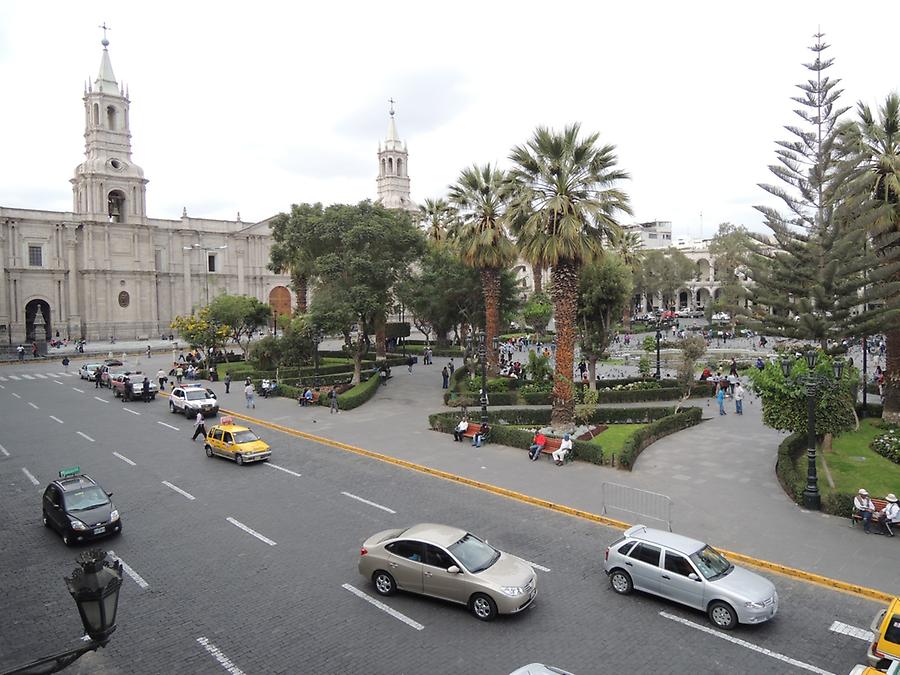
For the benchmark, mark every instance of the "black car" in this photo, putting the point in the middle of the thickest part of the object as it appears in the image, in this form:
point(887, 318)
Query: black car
point(79, 509)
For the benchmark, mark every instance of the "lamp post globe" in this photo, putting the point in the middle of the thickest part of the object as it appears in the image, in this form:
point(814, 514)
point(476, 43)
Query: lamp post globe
point(95, 588)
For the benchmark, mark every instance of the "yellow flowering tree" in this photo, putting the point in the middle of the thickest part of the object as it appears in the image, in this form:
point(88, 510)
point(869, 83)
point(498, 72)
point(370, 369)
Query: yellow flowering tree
point(201, 330)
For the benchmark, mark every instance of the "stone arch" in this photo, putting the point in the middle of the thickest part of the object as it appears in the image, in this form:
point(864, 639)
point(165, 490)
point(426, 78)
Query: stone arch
point(702, 270)
point(399, 167)
point(96, 118)
point(383, 167)
point(280, 301)
point(703, 297)
point(684, 299)
point(111, 117)
point(37, 311)
point(115, 203)
point(717, 293)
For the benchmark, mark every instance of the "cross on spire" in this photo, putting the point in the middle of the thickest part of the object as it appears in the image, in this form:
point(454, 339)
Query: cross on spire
point(391, 101)
point(105, 28)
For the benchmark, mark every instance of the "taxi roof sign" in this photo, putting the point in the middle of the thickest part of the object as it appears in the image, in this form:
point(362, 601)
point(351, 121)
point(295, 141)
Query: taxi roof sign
point(71, 471)
point(226, 420)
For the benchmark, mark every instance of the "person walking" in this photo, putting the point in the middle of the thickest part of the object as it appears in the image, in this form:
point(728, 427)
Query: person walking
point(720, 396)
point(739, 398)
point(179, 373)
point(65, 363)
point(445, 375)
point(332, 397)
point(409, 363)
point(450, 366)
point(145, 389)
point(227, 382)
point(248, 393)
point(148, 351)
point(34, 350)
point(199, 427)
point(161, 377)
point(97, 374)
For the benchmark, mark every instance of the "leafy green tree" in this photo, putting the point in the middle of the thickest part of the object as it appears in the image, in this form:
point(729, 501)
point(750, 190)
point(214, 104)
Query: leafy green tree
point(294, 248)
point(731, 247)
point(566, 204)
point(241, 314)
point(435, 215)
point(692, 349)
point(200, 330)
point(662, 272)
point(365, 249)
point(537, 312)
point(479, 199)
point(628, 246)
point(604, 290)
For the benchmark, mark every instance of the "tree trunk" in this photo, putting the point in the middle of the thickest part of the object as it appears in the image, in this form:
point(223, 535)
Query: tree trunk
point(891, 398)
point(565, 296)
point(380, 343)
point(592, 371)
point(537, 273)
point(300, 282)
point(626, 317)
point(490, 286)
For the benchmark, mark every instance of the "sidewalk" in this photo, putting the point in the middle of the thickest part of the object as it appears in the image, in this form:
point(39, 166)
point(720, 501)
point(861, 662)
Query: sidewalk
point(719, 475)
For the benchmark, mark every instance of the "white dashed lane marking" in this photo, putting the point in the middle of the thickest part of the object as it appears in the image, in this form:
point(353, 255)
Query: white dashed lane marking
point(102, 400)
point(137, 578)
point(852, 631)
point(4, 451)
point(15, 394)
point(179, 490)
point(85, 436)
point(34, 481)
point(56, 419)
point(57, 381)
point(534, 565)
point(28, 377)
point(124, 459)
point(14, 377)
point(383, 607)
point(39, 376)
point(33, 405)
point(2, 379)
point(748, 645)
point(217, 654)
point(169, 426)
point(281, 468)
point(80, 391)
point(366, 501)
point(133, 412)
point(253, 532)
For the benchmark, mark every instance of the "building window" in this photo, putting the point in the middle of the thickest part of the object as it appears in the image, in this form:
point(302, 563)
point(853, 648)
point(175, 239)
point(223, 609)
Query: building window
point(651, 235)
point(35, 256)
point(211, 262)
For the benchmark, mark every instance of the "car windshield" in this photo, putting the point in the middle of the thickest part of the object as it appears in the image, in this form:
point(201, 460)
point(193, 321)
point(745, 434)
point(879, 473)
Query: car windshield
point(245, 436)
point(474, 554)
point(88, 498)
point(711, 563)
point(196, 394)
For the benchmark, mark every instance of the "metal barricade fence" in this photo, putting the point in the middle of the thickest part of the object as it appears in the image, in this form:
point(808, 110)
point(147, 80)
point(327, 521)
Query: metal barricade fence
point(644, 503)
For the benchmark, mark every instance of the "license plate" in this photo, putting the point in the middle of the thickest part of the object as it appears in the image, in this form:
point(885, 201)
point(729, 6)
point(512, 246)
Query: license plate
point(99, 530)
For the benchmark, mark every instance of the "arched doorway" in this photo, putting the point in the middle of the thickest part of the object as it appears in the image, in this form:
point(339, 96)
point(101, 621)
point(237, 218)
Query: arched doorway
point(37, 312)
point(702, 297)
point(684, 299)
point(280, 301)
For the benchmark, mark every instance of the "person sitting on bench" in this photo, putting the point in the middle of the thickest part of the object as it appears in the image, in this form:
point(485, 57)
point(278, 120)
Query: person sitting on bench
point(460, 429)
point(863, 506)
point(302, 400)
point(890, 514)
point(559, 456)
point(264, 388)
point(479, 435)
point(537, 446)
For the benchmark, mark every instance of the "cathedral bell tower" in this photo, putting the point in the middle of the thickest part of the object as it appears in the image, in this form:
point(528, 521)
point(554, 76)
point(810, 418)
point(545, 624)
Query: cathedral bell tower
point(107, 186)
point(393, 179)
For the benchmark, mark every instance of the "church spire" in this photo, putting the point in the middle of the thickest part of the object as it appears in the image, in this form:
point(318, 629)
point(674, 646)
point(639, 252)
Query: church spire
point(393, 178)
point(106, 79)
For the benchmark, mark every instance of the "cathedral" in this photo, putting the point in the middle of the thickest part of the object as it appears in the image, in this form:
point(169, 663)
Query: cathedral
point(107, 269)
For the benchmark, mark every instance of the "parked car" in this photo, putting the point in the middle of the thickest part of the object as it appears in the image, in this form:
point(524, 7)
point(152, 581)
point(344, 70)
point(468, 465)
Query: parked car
point(690, 572)
point(884, 651)
point(89, 371)
point(448, 563)
point(721, 316)
point(78, 509)
point(137, 384)
point(113, 362)
point(189, 399)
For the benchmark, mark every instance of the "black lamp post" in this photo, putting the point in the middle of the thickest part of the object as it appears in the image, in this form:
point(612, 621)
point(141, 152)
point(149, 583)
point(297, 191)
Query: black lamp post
point(812, 499)
point(658, 338)
point(482, 357)
point(865, 354)
point(317, 340)
point(95, 589)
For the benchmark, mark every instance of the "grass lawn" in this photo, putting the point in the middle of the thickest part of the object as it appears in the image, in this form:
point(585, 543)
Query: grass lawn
point(875, 473)
point(615, 436)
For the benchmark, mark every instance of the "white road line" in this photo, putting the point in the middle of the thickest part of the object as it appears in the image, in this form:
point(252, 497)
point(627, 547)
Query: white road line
point(57, 381)
point(83, 435)
point(852, 631)
point(217, 654)
point(15, 394)
point(534, 565)
point(248, 530)
point(42, 377)
point(33, 405)
point(4, 451)
point(102, 400)
point(2, 386)
point(749, 645)
point(366, 501)
point(80, 391)
point(65, 374)
point(2, 379)
point(178, 489)
point(281, 468)
point(14, 377)
point(138, 579)
point(56, 419)
point(383, 607)
point(133, 412)
point(28, 377)
point(34, 481)
point(168, 425)
point(124, 459)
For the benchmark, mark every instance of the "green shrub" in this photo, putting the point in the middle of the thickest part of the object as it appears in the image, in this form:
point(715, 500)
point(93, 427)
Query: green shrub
point(838, 504)
point(355, 397)
point(644, 366)
point(664, 426)
point(792, 479)
point(537, 397)
point(501, 398)
point(888, 444)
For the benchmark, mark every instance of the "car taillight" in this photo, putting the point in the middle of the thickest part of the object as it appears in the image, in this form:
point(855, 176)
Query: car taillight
point(875, 651)
point(363, 551)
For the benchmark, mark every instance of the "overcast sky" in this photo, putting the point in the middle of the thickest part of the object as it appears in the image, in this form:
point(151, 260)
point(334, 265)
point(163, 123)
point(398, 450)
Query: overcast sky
point(252, 106)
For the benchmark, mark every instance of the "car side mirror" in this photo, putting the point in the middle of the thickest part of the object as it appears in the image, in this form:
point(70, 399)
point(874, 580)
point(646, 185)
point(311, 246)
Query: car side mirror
point(109, 494)
point(453, 569)
point(693, 576)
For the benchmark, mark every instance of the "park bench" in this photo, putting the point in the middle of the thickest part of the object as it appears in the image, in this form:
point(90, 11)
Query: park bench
point(551, 446)
point(879, 506)
point(313, 401)
point(472, 429)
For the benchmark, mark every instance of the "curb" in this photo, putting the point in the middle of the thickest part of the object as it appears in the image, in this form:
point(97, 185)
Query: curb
point(784, 570)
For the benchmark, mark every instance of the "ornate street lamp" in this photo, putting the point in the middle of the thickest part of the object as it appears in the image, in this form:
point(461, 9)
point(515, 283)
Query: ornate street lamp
point(482, 356)
point(658, 338)
point(95, 589)
point(317, 340)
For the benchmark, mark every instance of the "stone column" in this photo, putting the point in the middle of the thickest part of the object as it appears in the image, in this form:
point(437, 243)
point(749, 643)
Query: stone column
point(186, 261)
point(5, 313)
point(240, 272)
point(74, 322)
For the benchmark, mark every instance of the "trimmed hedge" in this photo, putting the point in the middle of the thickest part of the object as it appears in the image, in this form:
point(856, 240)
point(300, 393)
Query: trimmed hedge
point(790, 467)
point(699, 390)
point(664, 426)
point(355, 397)
point(436, 351)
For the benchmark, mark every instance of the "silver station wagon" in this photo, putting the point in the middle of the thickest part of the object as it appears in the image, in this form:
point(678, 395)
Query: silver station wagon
point(690, 572)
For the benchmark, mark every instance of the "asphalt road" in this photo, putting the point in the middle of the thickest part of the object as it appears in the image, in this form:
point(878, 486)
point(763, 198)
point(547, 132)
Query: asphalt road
point(206, 595)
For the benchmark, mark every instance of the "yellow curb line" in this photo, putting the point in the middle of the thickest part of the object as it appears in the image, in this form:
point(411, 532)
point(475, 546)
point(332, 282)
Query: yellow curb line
point(785, 570)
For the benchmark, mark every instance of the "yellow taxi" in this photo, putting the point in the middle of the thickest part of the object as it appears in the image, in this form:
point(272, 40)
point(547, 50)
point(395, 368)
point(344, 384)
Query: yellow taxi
point(232, 441)
point(884, 652)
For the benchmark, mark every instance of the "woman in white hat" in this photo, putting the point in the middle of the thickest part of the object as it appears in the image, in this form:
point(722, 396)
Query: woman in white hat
point(890, 514)
point(864, 508)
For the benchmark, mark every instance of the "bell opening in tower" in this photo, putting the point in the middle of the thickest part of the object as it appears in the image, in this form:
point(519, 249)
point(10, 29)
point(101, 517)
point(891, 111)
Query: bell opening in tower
point(116, 206)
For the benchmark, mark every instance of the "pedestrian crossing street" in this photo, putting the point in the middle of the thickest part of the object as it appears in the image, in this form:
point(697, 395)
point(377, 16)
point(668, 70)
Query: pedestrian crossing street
point(18, 377)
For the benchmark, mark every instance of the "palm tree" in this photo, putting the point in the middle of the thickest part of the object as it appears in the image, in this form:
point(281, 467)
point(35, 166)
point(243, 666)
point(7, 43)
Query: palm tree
point(479, 201)
point(871, 178)
point(294, 247)
point(434, 214)
point(628, 246)
point(566, 193)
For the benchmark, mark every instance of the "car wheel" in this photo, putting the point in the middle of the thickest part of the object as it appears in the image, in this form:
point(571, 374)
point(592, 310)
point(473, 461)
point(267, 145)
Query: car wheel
point(722, 615)
point(187, 413)
point(239, 459)
point(621, 583)
point(384, 583)
point(208, 451)
point(483, 607)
